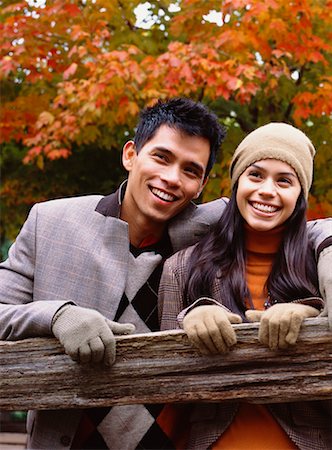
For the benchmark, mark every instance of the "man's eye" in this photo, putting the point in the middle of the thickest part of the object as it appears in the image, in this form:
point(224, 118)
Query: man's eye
point(191, 170)
point(160, 156)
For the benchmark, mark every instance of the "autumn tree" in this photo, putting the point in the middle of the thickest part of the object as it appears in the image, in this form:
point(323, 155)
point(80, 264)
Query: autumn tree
point(75, 74)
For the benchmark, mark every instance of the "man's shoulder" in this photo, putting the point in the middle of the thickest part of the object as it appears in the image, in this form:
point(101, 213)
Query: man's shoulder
point(194, 222)
point(205, 212)
point(69, 204)
point(216, 206)
point(70, 209)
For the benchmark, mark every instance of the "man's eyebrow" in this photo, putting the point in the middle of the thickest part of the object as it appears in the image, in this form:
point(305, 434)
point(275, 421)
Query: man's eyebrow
point(257, 166)
point(162, 149)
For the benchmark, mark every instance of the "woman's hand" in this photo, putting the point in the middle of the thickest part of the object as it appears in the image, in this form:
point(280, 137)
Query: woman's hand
point(209, 328)
point(280, 324)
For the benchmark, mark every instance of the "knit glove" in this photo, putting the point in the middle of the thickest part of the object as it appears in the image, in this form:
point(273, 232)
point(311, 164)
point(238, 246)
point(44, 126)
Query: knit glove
point(325, 281)
point(280, 324)
point(209, 328)
point(86, 335)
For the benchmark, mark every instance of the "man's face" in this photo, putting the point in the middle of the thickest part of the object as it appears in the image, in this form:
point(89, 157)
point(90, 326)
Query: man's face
point(166, 174)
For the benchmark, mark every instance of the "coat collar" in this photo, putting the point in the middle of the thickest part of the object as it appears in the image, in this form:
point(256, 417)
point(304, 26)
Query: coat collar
point(110, 205)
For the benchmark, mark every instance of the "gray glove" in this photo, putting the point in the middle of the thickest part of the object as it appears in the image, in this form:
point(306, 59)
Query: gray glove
point(86, 335)
point(325, 281)
point(280, 325)
point(209, 328)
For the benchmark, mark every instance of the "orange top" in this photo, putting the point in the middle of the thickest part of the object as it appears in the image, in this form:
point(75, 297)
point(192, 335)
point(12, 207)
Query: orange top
point(174, 421)
point(254, 426)
point(261, 249)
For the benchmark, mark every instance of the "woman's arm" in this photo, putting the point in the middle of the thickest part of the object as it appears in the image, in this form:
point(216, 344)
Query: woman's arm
point(170, 295)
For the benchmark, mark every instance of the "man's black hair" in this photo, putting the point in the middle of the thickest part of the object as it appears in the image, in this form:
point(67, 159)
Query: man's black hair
point(189, 117)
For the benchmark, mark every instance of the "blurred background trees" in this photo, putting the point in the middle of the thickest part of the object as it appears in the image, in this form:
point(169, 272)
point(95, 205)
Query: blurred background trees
point(75, 73)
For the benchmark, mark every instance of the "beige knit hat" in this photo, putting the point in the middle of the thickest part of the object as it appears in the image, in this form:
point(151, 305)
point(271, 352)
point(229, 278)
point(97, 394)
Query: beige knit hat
point(278, 141)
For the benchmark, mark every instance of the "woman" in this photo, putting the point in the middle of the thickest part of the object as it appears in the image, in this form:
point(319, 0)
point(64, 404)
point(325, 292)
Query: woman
point(256, 262)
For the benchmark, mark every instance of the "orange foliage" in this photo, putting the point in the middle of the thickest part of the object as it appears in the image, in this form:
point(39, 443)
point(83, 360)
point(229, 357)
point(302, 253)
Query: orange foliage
point(80, 68)
point(70, 45)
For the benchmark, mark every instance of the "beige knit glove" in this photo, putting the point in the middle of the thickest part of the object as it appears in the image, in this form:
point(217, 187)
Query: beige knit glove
point(86, 335)
point(209, 328)
point(280, 324)
point(325, 281)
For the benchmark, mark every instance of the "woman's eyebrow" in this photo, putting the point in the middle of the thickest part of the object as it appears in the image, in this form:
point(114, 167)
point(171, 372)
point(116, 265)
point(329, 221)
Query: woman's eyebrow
point(289, 174)
point(257, 166)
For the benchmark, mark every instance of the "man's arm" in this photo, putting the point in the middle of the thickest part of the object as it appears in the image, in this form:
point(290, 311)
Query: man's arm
point(86, 335)
point(320, 234)
point(20, 317)
point(325, 281)
point(188, 227)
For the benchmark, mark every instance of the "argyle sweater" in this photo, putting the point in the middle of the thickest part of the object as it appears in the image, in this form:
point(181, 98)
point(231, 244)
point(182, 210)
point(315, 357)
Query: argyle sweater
point(133, 426)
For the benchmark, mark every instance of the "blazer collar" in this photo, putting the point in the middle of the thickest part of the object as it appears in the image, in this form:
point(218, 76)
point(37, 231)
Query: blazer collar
point(110, 205)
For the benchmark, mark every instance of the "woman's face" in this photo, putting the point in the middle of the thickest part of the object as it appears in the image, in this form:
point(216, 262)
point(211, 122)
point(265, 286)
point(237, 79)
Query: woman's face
point(267, 194)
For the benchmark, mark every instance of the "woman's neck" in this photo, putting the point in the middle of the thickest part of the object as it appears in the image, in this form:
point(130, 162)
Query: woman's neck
point(261, 249)
point(263, 241)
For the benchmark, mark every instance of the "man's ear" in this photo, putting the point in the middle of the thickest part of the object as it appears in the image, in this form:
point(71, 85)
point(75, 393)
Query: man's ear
point(128, 155)
point(201, 188)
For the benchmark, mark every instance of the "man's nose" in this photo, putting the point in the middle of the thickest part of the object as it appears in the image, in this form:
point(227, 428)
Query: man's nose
point(172, 175)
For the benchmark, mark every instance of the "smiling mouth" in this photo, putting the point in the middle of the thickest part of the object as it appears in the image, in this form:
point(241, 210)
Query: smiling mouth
point(163, 195)
point(264, 208)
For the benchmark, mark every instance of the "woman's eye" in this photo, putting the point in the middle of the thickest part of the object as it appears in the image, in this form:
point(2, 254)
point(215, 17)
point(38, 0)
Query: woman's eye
point(284, 181)
point(255, 174)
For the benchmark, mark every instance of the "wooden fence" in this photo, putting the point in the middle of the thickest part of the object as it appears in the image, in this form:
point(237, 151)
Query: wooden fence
point(163, 367)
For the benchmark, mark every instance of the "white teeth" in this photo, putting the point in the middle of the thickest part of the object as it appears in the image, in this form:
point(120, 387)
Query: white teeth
point(163, 195)
point(264, 208)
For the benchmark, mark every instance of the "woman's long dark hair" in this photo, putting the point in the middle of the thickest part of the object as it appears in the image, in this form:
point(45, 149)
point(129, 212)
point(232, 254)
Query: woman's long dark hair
point(222, 254)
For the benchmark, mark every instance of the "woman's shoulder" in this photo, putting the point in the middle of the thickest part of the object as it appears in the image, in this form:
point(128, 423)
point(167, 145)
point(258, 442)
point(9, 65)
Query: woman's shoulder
point(180, 259)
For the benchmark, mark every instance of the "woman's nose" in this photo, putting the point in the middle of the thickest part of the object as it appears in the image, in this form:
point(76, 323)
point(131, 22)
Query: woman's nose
point(267, 187)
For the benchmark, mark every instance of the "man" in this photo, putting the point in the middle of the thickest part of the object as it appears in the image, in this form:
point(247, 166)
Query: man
point(84, 269)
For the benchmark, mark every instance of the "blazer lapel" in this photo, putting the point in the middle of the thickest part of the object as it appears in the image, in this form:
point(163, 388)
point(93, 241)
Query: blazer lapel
point(114, 260)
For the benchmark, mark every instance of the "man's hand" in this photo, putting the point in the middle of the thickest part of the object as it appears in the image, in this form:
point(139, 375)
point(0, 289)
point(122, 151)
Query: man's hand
point(86, 335)
point(209, 328)
point(280, 325)
point(325, 281)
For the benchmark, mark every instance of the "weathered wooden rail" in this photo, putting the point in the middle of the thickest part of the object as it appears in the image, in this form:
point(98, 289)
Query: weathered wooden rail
point(163, 367)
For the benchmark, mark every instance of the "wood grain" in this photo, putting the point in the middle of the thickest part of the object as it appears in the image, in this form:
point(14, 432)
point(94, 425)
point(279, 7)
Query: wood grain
point(163, 367)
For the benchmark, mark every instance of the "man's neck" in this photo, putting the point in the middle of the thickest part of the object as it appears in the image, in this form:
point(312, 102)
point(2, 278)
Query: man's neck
point(139, 238)
point(140, 230)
